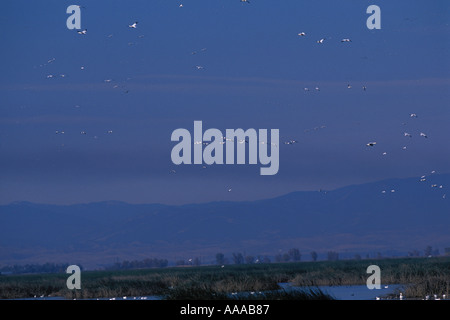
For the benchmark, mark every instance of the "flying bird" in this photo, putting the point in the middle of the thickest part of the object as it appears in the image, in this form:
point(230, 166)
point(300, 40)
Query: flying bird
point(371, 144)
point(301, 34)
point(134, 25)
point(423, 135)
point(82, 31)
point(321, 40)
point(346, 40)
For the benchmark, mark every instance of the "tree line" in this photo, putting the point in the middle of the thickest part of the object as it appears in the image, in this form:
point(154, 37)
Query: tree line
point(48, 267)
point(139, 264)
point(292, 255)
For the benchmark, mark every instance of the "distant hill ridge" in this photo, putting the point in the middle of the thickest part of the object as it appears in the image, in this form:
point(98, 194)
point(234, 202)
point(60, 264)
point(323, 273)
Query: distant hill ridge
point(392, 215)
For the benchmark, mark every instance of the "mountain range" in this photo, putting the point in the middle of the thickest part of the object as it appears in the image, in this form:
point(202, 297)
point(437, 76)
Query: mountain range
point(391, 217)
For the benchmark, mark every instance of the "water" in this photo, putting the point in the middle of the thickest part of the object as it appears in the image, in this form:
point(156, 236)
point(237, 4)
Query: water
point(354, 292)
point(115, 298)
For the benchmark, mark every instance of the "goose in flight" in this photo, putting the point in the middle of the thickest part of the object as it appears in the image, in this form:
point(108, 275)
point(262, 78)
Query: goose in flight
point(82, 31)
point(406, 134)
point(301, 34)
point(346, 40)
point(413, 115)
point(371, 144)
point(423, 135)
point(321, 40)
point(134, 25)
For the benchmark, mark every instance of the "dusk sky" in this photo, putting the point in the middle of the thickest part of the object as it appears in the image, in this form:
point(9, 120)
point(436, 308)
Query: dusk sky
point(118, 93)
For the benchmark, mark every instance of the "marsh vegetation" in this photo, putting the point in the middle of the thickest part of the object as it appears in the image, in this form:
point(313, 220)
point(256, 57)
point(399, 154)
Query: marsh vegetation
point(420, 276)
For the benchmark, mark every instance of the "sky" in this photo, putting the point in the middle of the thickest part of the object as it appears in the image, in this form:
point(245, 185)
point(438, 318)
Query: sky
point(118, 93)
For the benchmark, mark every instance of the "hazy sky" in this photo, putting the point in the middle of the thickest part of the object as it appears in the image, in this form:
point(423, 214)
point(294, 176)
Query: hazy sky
point(143, 83)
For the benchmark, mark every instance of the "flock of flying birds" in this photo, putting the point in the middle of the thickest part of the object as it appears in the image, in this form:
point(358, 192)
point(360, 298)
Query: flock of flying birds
point(423, 178)
point(134, 25)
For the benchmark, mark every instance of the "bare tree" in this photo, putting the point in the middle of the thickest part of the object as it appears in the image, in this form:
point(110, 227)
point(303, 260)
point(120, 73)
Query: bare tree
point(428, 251)
point(294, 254)
point(249, 259)
point(238, 258)
point(220, 258)
point(332, 256)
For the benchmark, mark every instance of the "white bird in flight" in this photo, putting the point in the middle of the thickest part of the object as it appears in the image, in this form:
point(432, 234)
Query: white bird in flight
point(371, 144)
point(346, 40)
point(301, 34)
point(423, 135)
point(82, 31)
point(321, 40)
point(134, 25)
